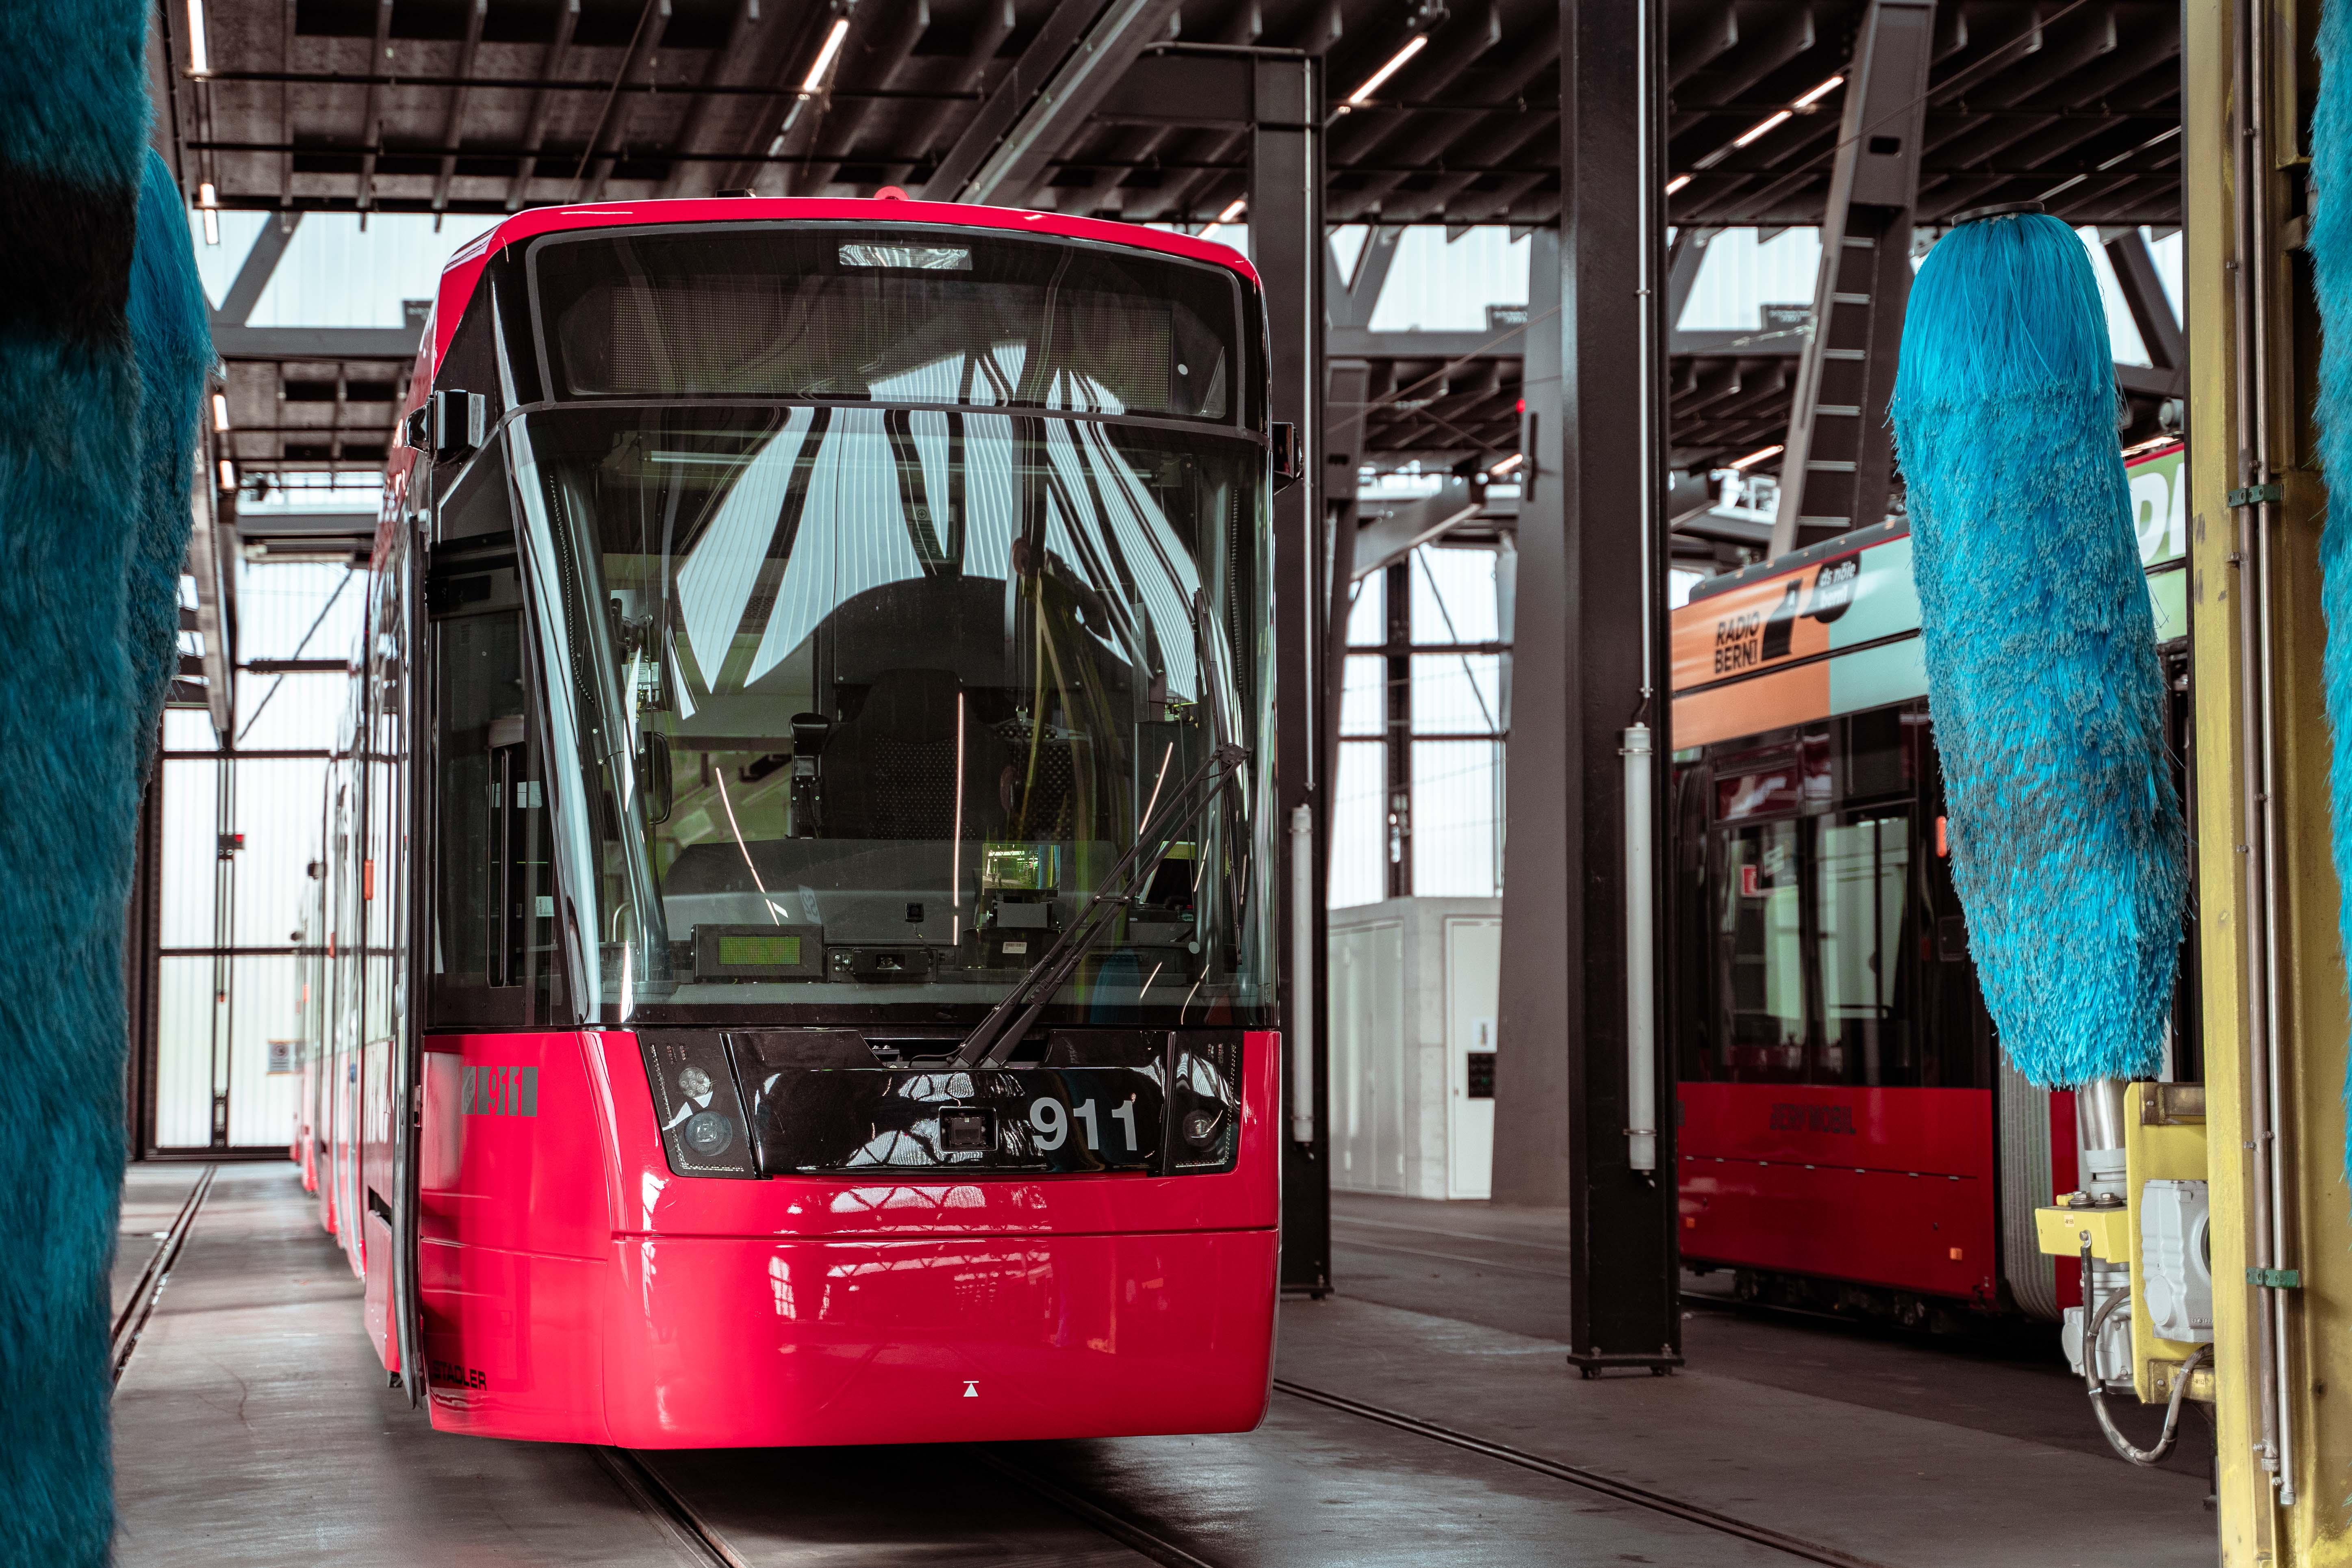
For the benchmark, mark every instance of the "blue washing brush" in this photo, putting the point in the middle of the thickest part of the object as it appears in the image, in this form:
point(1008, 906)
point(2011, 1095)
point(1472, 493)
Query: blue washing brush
point(102, 352)
point(2330, 247)
point(2067, 842)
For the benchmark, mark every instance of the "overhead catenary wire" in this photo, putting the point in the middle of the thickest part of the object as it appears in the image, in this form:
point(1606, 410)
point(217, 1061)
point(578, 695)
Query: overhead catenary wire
point(333, 599)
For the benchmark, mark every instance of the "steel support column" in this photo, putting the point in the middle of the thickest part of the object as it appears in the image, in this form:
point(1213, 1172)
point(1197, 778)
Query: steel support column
point(143, 966)
point(2143, 296)
point(1839, 462)
point(1286, 244)
point(253, 275)
point(1588, 644)
point(1345, 385)
point(1396, 664)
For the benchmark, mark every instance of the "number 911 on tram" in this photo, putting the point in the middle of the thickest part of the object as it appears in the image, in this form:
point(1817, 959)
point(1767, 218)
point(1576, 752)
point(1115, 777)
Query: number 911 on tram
point(800, 872)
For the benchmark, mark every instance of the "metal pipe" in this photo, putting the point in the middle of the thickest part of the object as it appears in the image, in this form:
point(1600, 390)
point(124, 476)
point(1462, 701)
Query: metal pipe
point(1302, 975)
point(2267, 521)
point(1641, 990)
point(2099, 1137)
point(2249, 293)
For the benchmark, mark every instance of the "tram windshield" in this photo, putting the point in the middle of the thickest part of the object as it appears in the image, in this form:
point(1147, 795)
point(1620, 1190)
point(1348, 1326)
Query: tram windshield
point(858, 706)
point(908, 316)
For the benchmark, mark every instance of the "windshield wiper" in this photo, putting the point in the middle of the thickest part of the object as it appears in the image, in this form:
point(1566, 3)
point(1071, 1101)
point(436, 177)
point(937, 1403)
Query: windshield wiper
point(993, 1041)
point(995, 1037)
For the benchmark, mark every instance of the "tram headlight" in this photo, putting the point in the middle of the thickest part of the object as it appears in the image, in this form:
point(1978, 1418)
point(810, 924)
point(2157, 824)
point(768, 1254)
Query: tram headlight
point(696, 1105)
point(1204, 1084)
point(710, 1134)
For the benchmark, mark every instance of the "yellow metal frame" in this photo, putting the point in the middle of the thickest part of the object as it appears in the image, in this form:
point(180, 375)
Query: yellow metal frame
point(2161, 1143)
point(2164, 1140)
point(2310, 1025)
point(2060, 1232)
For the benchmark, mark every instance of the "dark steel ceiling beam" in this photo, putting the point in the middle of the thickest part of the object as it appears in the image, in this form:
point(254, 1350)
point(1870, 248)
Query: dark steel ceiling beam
point(1979, 134)
point(806, 108)
point(711, 89)
point(993, 26)
point(253, 274)
point(1439, 141)
point(1242, 28)
point(1353, 300)
point(454, 127)
point(286, 25)
point(1839, 468)
point(1438, 199)
point(879, 66)
point(2143, 296)
point(1716, 34)
point(1392, 534)
point(2089, 35)
point(1452, 50)
point(1077, 57)
point(2030, 34)
point(1686, 254)
point(648, 89)
point(396, 345)
point(371, 128)
point(595, 167)
point(534, 130)
point(1794, 38)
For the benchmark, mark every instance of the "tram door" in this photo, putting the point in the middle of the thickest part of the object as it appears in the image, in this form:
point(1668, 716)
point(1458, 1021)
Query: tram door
point(1474, 959)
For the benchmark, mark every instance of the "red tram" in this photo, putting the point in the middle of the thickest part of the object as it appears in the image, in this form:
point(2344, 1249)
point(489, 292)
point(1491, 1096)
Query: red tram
point(798, 896)
point(1849, 1135)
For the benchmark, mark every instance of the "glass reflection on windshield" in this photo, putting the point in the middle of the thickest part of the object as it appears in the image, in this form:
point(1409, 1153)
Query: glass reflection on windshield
point(867, 701)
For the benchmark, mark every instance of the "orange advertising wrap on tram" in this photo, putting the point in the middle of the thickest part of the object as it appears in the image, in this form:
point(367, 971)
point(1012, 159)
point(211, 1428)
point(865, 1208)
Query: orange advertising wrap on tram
point(1849, 1137)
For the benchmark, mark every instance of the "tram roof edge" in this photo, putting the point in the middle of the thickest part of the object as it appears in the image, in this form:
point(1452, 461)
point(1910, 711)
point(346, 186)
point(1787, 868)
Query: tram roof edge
point(463, 268)
point(1870, 534)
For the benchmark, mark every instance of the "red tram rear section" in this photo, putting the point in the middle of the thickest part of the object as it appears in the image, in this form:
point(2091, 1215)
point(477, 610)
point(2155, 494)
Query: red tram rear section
point(1850, 1136)
point(797, 894)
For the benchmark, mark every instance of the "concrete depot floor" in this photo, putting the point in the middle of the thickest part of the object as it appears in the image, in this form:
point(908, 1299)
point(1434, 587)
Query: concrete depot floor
point(253, 1427)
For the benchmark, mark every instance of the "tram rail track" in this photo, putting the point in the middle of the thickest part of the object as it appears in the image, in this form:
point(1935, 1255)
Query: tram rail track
point(140, 1305)
point(1119, 1528)
point(687, 1530)
point(1577, 1475)
point(705, 1541)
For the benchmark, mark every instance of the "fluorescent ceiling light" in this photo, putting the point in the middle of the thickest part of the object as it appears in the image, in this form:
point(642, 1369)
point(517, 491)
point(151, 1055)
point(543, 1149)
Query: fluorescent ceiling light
point(1413, 46)
point(1773, 123)
point(1229, 214)
point(1507, 465)
point(1742, 464)
point(824, 56)
point(208, 202)
point(200, 57)
point(228, 475)
point(220, 412)
point(1677, 183)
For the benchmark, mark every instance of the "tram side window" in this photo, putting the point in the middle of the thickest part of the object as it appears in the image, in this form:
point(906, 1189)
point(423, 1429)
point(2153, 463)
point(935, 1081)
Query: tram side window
point(1816, 902)
point(1878, 750)
point(492, 958)
point(1860, 889)
point(1760, 950)
point(1695, 1023)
